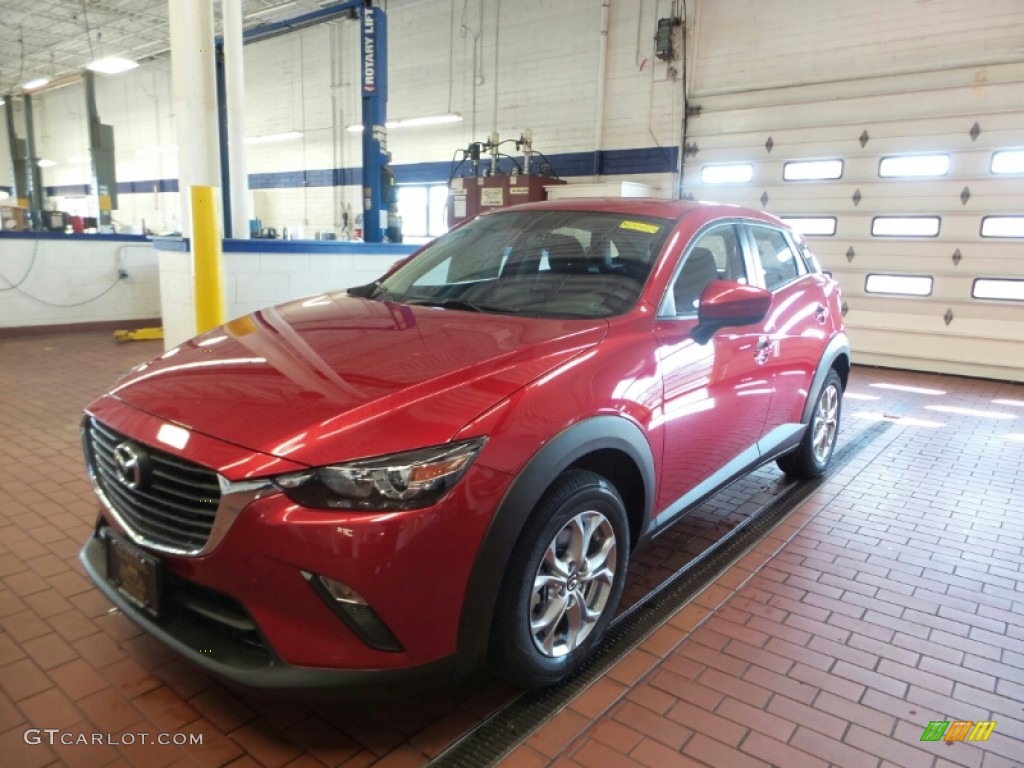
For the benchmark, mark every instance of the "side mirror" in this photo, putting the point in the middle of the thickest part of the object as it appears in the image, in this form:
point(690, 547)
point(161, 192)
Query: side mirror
point(725, 303)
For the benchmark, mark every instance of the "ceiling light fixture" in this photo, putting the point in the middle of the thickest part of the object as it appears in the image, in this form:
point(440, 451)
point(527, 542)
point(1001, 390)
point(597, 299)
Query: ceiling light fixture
point(413, 122)
point(39, 82)
point(112, 65)
point(44, 163)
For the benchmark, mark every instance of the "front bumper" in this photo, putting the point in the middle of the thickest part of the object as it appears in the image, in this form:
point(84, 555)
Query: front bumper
point(247, 666)
point(247, 613)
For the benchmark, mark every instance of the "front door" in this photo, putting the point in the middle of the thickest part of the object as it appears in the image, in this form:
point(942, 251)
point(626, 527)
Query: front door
point(716, 393)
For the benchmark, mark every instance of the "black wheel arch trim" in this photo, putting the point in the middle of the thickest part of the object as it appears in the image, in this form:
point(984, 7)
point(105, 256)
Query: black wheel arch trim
point(593, 434)
point(838, 347)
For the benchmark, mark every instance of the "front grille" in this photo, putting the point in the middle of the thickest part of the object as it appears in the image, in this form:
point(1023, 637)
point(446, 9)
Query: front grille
point(174, 508)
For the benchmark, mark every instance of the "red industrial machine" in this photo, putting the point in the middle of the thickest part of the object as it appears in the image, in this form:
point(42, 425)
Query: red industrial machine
point(476, 192)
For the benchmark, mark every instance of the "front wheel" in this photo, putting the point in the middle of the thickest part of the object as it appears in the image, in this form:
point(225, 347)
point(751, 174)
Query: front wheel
point(563, 582)
point(810, 459)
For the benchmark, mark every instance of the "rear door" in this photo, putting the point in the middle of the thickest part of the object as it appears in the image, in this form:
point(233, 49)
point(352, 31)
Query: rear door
point(797, 327)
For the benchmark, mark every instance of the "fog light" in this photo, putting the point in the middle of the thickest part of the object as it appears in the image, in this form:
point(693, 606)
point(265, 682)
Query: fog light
point(357, 614)
point(343, 593)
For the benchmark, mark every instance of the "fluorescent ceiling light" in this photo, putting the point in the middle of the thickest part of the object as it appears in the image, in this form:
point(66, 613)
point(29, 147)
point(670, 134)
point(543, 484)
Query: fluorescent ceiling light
point(273, 137)
point(413, 122)
point(46, 163)
point(112, 65)
point(39, 82)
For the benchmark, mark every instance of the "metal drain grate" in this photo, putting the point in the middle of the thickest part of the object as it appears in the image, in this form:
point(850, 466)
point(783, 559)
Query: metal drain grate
point(506, 728)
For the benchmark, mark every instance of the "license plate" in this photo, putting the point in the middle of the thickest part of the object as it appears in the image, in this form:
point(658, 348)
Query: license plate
point(135, 573)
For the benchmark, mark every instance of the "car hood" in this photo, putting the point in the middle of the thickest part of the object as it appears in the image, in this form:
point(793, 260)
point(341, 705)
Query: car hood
point(334, 378)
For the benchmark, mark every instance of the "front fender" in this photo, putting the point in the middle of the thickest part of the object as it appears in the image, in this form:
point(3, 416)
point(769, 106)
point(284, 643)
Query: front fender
point(570, 445)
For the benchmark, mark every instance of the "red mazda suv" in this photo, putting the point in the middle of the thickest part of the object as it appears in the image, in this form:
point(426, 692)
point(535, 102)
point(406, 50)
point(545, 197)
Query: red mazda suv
point(451, 466)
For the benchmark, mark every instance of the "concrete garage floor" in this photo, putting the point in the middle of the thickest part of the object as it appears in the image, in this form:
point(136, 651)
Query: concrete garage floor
point(892, 597)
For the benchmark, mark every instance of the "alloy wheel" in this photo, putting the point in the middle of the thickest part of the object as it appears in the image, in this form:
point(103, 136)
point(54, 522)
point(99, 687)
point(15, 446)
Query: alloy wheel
point(572, 584)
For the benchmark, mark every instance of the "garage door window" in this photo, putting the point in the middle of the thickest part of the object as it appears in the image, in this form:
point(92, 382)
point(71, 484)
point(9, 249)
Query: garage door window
point(905, 226)
point(812, 170)
point(1008, 161)
point(994, 288)
point(906, 166)
point(737, 173)
point(899, 285)
point(1002, 226)
point(812, 226)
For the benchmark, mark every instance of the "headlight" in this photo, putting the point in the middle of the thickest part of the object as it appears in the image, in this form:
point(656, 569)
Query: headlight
point(399, 481)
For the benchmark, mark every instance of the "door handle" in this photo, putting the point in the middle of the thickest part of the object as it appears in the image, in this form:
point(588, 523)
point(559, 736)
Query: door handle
point(764, 350)
point(821, 314)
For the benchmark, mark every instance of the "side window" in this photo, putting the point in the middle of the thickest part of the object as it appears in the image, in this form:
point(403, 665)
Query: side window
point(778, 260)
point(717, 254)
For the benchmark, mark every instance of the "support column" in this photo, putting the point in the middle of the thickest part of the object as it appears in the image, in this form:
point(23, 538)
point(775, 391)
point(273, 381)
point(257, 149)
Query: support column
point(234, 72)
point(375, 136)
point(195, 110)
point(35, 176)
point(19, 161)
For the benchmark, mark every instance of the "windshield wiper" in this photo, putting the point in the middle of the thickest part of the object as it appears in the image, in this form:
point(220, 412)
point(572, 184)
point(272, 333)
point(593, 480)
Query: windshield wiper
point(382, 292)
point(374, 290)
point(469, 306)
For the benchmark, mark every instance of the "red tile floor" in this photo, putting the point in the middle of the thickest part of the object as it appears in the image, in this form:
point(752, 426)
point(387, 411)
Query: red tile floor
point(893, 597)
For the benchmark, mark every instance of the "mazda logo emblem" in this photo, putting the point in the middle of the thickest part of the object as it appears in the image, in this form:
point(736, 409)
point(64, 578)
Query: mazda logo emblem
point(129, 465)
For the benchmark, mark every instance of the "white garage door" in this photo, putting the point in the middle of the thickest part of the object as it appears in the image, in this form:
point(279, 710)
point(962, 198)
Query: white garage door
point(892, 133)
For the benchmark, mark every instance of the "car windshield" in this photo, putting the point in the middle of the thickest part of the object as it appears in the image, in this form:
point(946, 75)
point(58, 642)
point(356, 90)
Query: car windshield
point(577, 264)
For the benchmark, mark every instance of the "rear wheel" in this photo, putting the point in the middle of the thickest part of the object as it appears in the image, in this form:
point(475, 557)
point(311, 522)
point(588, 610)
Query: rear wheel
point(563, 582)
point(812, 456)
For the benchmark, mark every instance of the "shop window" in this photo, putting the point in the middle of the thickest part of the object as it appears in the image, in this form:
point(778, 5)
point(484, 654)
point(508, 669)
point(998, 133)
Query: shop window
point(423, 210)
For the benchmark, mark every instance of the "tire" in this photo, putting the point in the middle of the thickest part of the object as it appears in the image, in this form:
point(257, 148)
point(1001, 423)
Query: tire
point(811, 458)
point(551, 612)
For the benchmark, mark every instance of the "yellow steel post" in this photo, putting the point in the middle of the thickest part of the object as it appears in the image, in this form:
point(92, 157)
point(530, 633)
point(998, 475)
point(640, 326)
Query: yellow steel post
point(206, 257)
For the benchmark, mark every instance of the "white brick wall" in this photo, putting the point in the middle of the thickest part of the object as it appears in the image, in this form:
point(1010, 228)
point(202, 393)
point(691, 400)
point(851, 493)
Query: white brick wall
point(74, 272)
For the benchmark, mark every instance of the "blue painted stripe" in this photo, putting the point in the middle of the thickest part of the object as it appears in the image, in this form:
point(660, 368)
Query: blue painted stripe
point(65, 237)
point(384, 250)
point(387, 251)
point(610, 162)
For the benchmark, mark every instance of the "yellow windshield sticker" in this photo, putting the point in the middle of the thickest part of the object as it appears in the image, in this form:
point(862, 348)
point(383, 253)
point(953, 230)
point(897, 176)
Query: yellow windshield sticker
point(640, 226)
